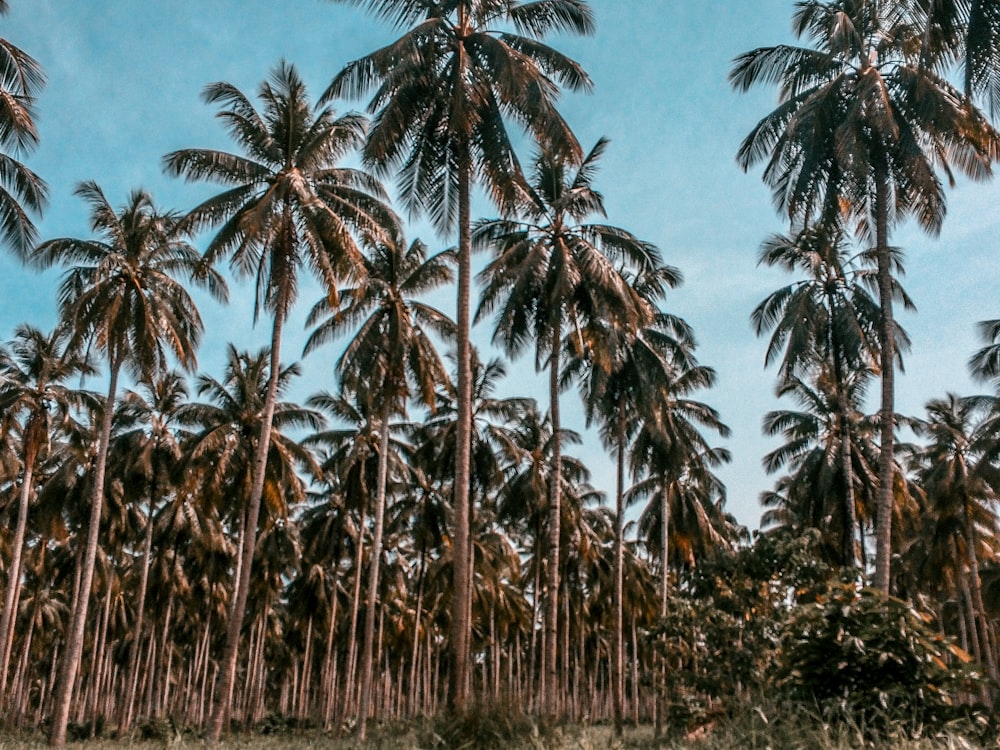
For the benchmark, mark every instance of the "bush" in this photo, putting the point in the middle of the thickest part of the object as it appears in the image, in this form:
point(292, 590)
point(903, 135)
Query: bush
point(873, 661)
point(485, 726)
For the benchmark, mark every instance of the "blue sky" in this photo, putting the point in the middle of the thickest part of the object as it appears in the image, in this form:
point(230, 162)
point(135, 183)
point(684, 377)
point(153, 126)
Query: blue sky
point(124, 78)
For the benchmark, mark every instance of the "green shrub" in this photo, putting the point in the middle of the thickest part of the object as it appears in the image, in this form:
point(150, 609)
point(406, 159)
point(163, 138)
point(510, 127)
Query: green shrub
point(486, 726)
point(873, 661)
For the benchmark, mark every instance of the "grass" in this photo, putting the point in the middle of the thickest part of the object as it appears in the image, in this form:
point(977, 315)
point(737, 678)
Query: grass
point(496, 731)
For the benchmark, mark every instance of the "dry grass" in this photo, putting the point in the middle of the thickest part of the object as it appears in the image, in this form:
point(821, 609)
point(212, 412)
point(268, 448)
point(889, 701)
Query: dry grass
point(752, 733)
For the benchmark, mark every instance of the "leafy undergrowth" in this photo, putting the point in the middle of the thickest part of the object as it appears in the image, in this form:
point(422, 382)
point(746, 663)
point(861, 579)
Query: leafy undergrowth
point(754, 730)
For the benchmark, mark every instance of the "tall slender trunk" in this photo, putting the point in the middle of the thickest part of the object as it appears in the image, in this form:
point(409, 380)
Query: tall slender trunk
point(550, 644)
point(458, 695)
point(147, 550)
point(849, 511)
point(373, 574)
point(97, 658)
point(415, 648)
point(976, 590)
point(967, 609)
point(78, 618)
point(660, 661)
point(963, 634)
point(32, 444)
point(883, 540)
point(330, 668)
point(351, 657)
point(536, 676)
point(664, 550)
point(617, 665)
point(230, 653)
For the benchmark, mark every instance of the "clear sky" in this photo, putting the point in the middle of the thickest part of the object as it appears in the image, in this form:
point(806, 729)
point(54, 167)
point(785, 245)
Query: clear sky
point(124, 78)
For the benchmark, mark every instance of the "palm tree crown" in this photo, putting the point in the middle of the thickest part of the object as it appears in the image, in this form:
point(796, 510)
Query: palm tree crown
point(21, 78)
point(444, 89)
point(288, 202)
point(122, 295)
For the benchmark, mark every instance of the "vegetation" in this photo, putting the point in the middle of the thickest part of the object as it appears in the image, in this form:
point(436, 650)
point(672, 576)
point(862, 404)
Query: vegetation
point(409, 557)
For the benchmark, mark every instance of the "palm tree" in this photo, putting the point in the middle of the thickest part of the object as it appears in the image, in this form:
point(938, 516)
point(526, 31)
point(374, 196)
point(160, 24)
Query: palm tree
point(122, 296)
point(347, 449)
point(827, 318)
point(552, 272)
point(286, 203)
point(676, 460)
point(21, 78)
point(629, 388)
point(962, 483)
point(522, 508)
point(393, 358)
point(148, 436)
point(819, 463)
point(34, 368)
point(223, 451)
point(863, 128)
point(445, 90)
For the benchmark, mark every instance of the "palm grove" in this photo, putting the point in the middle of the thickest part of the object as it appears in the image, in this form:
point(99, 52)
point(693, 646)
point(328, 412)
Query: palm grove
point(196, 546)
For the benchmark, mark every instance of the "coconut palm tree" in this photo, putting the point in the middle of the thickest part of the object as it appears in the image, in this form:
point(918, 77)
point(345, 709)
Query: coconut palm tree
point(149, 439)
point(348, 447)
point(444, 93)
point(286, 203)
point(34, 370)
point(829, 318)
point(962, 484)
point(865, 129)
point(223, 451)
point(392, 356)
point(627, 388)
point(676, 460)
point(122, 296)
point(819, 464)
point(225, 427)
point(21, 190)
point(551, 273)
point(522, 508)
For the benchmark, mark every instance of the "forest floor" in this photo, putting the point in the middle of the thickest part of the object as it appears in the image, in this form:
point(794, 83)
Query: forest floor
point(564, 738)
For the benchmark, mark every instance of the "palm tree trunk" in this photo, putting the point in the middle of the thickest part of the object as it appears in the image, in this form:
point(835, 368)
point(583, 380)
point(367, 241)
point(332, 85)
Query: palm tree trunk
point(849, 510)
point(536, 680)
point(231, 651)
point(664, 550)
point(660, 662)
point(617, 666)
point(133, 671)
point(550, 643)
point(97, 659)
point(883, 541)
point(7, 620)
point(301, 696)
point(78, 619)
point(976, 590)
point(460, 625)
point(415, 652)
point(351, 657)
point(966, 607)
point(373, 574)
point(329, 690)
